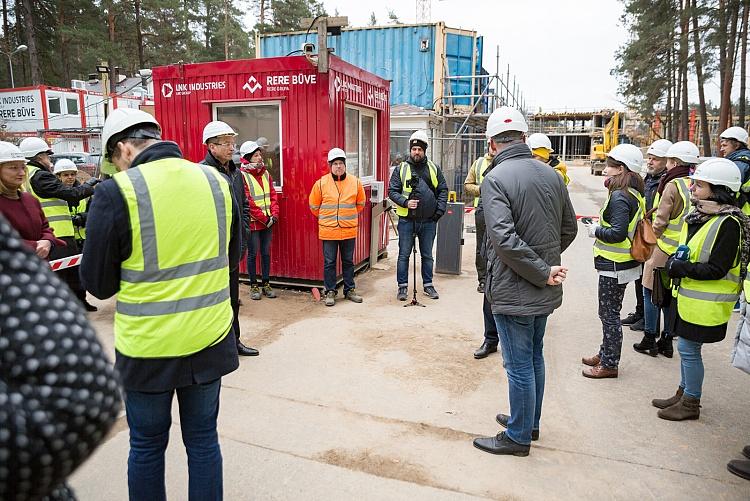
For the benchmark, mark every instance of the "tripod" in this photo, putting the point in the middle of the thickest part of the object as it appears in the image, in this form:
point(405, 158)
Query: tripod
point(414, 301)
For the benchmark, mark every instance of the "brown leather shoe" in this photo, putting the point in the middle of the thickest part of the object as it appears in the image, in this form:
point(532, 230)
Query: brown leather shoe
point(591, 361)
point(599, 372)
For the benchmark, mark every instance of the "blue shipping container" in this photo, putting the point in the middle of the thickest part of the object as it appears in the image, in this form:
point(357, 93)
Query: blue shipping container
point(411, 56)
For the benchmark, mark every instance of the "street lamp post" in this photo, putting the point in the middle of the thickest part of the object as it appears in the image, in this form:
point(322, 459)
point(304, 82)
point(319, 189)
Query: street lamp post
point(20, 48)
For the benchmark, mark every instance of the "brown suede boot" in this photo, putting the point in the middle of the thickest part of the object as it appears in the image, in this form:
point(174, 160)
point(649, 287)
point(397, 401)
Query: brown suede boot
point(686, 408)
point(663, 403)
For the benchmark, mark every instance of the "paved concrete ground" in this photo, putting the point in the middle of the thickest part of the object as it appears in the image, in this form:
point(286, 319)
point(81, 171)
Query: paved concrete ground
point(376, 401)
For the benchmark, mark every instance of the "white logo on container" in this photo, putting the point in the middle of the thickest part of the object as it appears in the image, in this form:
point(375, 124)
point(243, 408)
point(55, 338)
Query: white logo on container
point(252, 85)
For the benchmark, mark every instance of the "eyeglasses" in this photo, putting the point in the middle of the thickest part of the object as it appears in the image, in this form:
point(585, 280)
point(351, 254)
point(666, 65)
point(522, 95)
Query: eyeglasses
point(230, 145)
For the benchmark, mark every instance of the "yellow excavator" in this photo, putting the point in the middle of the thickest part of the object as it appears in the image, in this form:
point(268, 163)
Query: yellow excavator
point(600, 146)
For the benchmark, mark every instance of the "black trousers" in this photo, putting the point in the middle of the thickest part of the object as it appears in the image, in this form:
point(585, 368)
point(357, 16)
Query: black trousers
point(490, 327)
point(234, 298)
point(479, 261)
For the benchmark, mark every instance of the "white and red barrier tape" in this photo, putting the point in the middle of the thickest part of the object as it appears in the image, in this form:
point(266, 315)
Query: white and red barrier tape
point(66, 262)
point(593, 218)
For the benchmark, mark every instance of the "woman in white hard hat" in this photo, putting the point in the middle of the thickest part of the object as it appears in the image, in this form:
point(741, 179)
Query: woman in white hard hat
point(707, 272)
point(264, 214)
point(21, 209)
point(672, 202)
point(625, 206)
point(541, 149)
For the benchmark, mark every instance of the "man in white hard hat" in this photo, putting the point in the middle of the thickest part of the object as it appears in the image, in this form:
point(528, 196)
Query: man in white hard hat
point(479, 169)
point(55, 196)
point(66, 172)
point(733, 146)
point(220, 140)
point(336, 200)
point(541, 149)
point(418, 188)
point(163, 234)
point(530, 222)
point(656, 169)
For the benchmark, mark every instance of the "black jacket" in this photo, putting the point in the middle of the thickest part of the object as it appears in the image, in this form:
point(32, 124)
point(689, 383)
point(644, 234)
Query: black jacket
point(721, 260)
point(237, 182)
point(652, 183)
point(108, 244)
point(620, 210)
point(432, 198)
point(58, 391)
point(46, 185)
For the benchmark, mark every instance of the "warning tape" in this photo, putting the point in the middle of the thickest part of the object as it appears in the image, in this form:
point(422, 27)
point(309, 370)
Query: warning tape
point(66, 262)
point(593, 218)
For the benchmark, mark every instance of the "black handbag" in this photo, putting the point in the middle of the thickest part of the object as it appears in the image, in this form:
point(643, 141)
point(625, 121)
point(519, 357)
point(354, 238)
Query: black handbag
point(661, 294)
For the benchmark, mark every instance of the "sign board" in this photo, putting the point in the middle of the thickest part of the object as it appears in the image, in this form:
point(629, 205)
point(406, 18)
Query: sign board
point(21, 110)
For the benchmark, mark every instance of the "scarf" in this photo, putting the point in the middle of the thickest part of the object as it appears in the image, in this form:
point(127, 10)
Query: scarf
point(706, 209)
point(677, 172)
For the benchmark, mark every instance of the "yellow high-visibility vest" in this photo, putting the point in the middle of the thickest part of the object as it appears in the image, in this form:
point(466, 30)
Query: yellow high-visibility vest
point(479, 166)
point(670, 239)
point(707, 302)
point(80, 208)
point(261, 195)
point(405, 173)
point(619, 252)
point(55, 210)
point(174, 286)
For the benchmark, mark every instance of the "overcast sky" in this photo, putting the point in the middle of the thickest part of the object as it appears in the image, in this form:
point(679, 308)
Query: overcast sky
point(561, 51)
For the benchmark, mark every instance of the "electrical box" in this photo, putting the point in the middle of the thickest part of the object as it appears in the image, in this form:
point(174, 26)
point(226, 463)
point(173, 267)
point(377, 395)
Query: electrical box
point(450, 239)
point(377, 192)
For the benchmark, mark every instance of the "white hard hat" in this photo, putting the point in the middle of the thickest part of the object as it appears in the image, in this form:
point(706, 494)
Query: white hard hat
point(337, 153)
point(248, 147)
point(539, 140)
point(630, 155)
point(659, 148)
point(719, 171)
point(9, 152)
point(64, 165)
point(685, 151)
point(215, 129)
point(737, 133)
point(505, 119)
point(262, 141)
point(118, 121)
point(32, 146)
point(420, 136)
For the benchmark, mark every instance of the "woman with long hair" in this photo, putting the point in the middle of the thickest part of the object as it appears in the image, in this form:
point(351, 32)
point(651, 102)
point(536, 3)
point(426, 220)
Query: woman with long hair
point(624, 208)
point(707, 272)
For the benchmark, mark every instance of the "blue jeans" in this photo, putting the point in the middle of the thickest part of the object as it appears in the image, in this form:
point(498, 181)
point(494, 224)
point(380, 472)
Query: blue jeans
point(691, 367)
point(150, 417)
point(259, 240)
point(425, 231)
point(522, 343)
point(331, 248)
point(651, 314)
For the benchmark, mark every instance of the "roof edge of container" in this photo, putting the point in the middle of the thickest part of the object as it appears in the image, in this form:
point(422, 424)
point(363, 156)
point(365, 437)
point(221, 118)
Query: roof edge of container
point(379, 27)
point(283, 62)
point(338, 64)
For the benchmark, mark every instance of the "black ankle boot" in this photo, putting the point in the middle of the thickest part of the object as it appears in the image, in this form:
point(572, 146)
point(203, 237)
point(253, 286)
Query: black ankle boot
point(647, 346)
point(664, 345)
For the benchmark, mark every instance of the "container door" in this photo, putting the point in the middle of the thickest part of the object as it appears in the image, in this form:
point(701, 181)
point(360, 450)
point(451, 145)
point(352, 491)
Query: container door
point(258, 121)
point(361, 142)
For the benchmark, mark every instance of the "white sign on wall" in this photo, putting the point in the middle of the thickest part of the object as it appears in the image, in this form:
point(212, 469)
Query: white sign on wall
point(21, 110)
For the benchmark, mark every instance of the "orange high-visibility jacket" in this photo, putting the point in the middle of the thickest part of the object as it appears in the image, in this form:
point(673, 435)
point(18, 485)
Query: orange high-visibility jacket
point(337, 204)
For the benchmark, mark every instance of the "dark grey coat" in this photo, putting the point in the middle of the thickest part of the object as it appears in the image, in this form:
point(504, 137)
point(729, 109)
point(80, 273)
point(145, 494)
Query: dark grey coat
point(530, 222)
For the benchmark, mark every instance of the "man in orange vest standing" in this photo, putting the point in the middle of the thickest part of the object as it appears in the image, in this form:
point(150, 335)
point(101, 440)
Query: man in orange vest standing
point(336, 200)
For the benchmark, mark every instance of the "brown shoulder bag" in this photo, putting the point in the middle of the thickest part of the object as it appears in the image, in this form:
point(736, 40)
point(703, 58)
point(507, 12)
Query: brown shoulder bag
point(644, 239)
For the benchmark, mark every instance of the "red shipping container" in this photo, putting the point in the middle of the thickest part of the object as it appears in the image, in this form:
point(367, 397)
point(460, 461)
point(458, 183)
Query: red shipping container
point(302, 114)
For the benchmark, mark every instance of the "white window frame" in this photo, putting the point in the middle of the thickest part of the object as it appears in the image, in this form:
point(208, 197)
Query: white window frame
point(78, 106)
point(374, 115)
point(60, 99)
point(277, 183)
